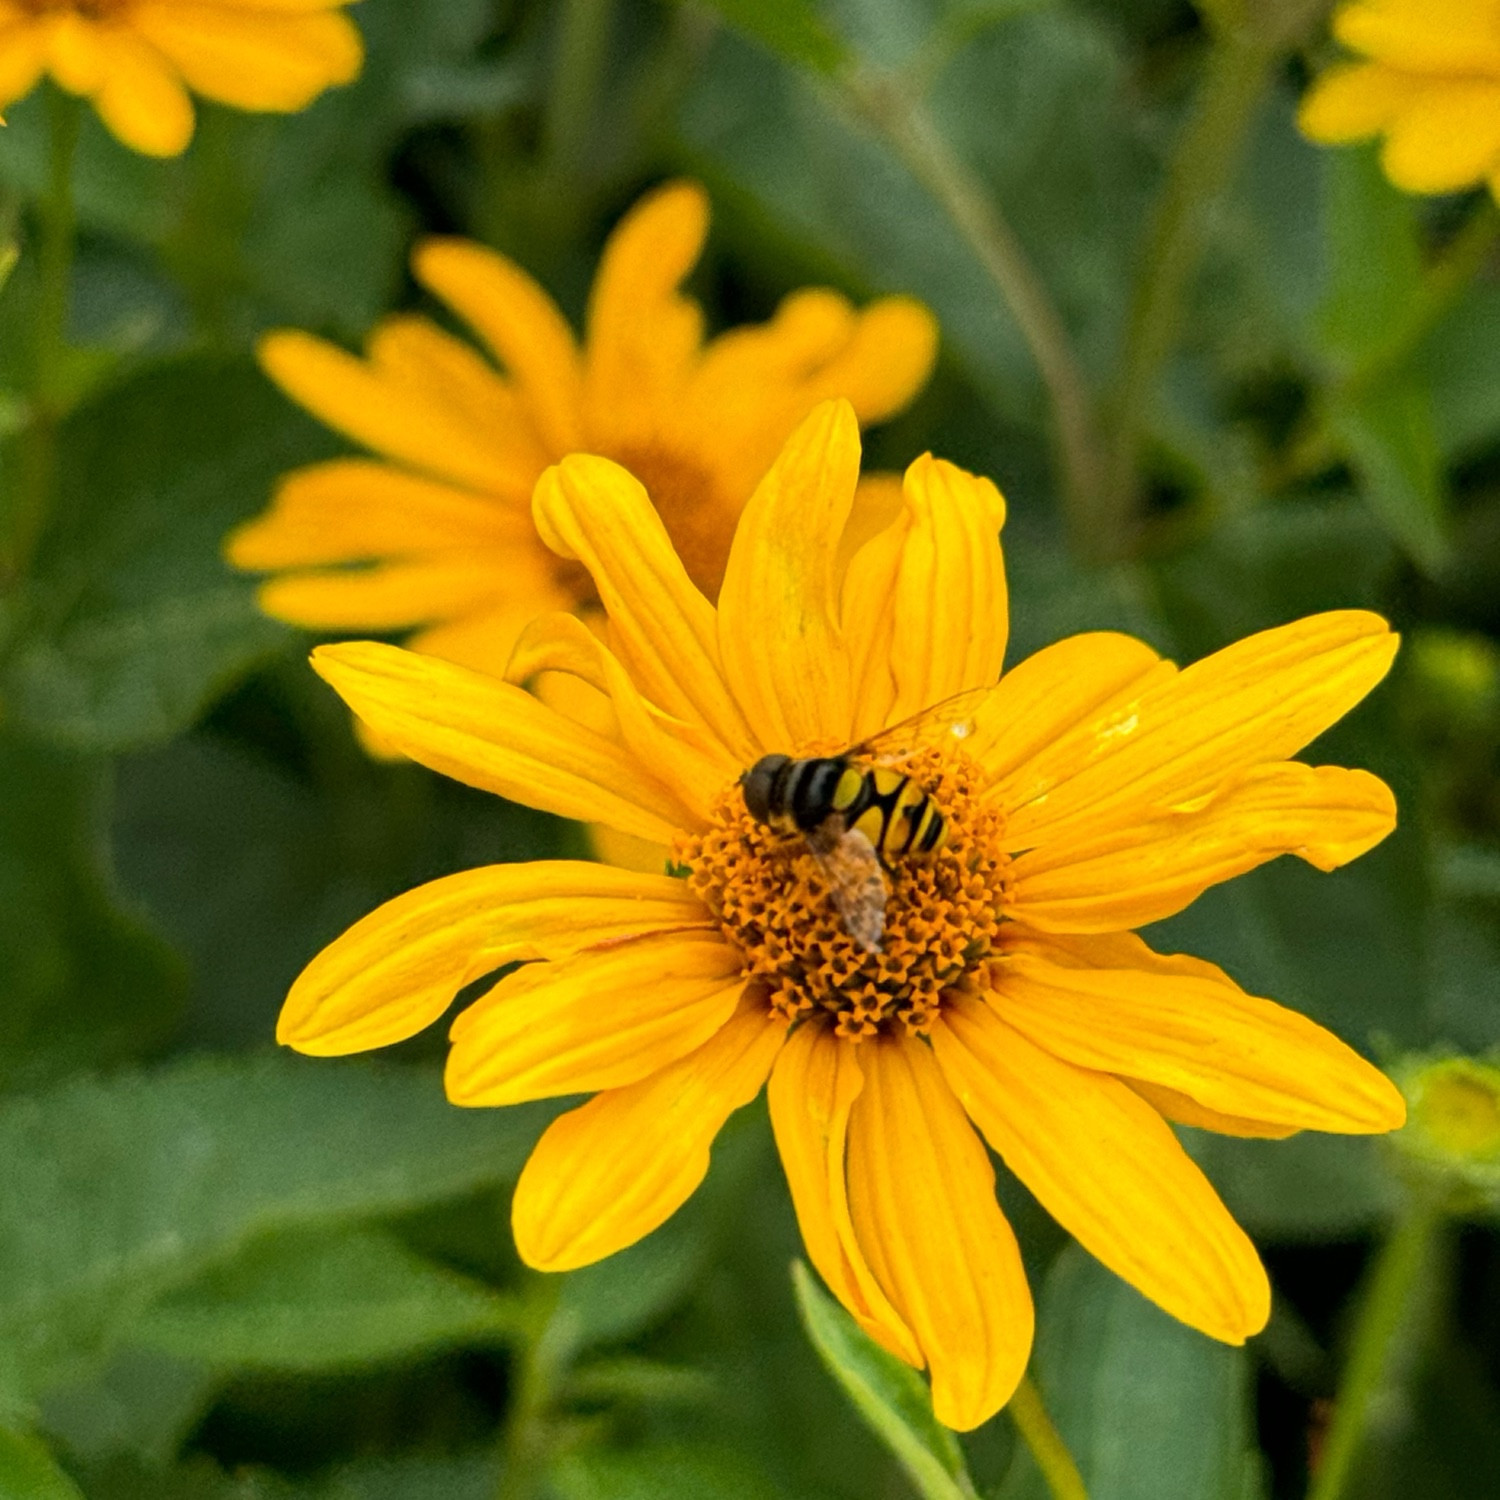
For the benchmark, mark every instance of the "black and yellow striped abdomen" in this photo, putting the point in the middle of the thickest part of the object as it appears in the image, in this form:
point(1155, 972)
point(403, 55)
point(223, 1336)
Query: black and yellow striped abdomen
point(888, 807)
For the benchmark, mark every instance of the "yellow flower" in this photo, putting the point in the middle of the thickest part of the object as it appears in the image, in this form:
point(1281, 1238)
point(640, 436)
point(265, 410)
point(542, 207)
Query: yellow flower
point(1428, 81)
point(440, 532)
point(136, 59)
point(1100, 788)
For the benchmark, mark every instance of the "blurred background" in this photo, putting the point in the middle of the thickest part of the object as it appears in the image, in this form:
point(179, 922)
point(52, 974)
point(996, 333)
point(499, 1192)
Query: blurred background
point(230, 1273)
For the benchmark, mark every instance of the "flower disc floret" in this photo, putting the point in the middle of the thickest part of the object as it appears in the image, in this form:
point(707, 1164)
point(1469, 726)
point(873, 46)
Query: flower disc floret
point(771, 897)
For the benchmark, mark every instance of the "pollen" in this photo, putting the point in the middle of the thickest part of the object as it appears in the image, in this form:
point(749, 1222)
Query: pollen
point(771, 898)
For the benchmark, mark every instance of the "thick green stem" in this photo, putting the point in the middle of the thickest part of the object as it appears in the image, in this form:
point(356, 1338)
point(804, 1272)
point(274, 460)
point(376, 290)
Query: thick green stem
point(901, 117)
point(1392, 1287)
point(32, 500)
point(1045, 1443)
point(1236, 73)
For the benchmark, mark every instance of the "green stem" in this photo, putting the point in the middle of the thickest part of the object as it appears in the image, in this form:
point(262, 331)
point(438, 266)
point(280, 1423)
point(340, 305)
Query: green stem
point(901, 117)
point(1045, 1444)
point(541, 1361)
point(57, 224)
point(1237, 71)
point(1395, 1279)
point(582, 52)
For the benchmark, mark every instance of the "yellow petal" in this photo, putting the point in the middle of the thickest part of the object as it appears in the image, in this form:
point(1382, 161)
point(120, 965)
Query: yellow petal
point(922, 1196)
point(886, 361)
point(867, 606)
point(608, 1173)
point(1460, 36)
point(23, 47)
point(1107, 1167)
point(605, 1017)
point(494, 736)
point(391, 417)
point(643, 333)
point(949, 600)
point(1111, 1004)
point(1027, 734)
point(1353, 101)
point(661, 627)
point(1445, 137)
point(398, 969)
point(387, 596)
point(813, 1087)
point(684, 758)
point(1261, 699)
point(521, 323)
point(357, 510)
point(1181, 1110)
point(485, 639)
point(1143, 870)
point(778, 608)
point(141, 98)
point(78, 50)
point(254, 59)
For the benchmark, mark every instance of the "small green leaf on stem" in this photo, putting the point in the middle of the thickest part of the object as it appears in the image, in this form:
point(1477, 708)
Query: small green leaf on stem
point(890, 1396)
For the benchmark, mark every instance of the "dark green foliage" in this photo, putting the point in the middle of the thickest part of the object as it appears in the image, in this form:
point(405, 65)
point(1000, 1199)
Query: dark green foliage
point(231, 1275)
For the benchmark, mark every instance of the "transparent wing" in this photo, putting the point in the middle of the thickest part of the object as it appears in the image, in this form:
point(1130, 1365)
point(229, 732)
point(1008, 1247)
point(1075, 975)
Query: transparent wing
point(950, 722)
point(855, 880)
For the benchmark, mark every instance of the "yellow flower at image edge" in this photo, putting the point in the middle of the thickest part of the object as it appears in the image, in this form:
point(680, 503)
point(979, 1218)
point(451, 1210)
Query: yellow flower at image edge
point(1428, 81)
point(437, 534)
point(137, 59)
point(1099, 788)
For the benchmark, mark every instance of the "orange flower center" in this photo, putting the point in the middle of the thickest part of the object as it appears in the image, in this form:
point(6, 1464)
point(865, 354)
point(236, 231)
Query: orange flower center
point(697, 519)
point(772, 898)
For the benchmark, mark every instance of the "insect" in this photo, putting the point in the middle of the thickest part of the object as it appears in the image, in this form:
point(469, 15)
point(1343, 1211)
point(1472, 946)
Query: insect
point(857, 810)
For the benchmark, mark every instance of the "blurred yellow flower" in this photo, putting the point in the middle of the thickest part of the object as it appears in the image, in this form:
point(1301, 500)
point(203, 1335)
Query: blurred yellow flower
point(1428, 81)
point(438, 534)
point(137, 59)
point(1099, 788)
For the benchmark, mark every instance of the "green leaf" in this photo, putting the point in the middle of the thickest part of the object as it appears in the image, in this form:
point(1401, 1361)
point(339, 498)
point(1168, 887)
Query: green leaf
point(891, 1397)
point(1373, 260)
point(114, 1192)
point(321, 1301)
point(82, 981)
point(133, 622)
point(792, 29)
point(658, 1471)
point(1150, 1409)
point(1388, 433)
point(28, 1472)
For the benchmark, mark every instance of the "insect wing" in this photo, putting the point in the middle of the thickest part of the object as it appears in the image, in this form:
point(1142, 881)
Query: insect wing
point(950, 722)
point(856, 882)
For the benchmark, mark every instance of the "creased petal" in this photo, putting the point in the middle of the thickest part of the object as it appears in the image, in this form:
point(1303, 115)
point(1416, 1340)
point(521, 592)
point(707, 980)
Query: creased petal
point(1181, 1110)
point(685, 758)
point(398, 969)
point(922, 1196)
point(521, 323)
point(949, 599)
point(662, 628)
point(495, 736)
point(813, 1087)
point(1261, 699)
point(1027, 731)
point(608, 1015)
point(608, 1173)
point(778, 608)
point(1109, 1003)
point(867, 606)
point(1149, 868)
point(1107, 1167)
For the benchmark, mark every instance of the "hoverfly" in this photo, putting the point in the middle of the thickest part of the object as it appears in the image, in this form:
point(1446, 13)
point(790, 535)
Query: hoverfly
point(856, 810)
